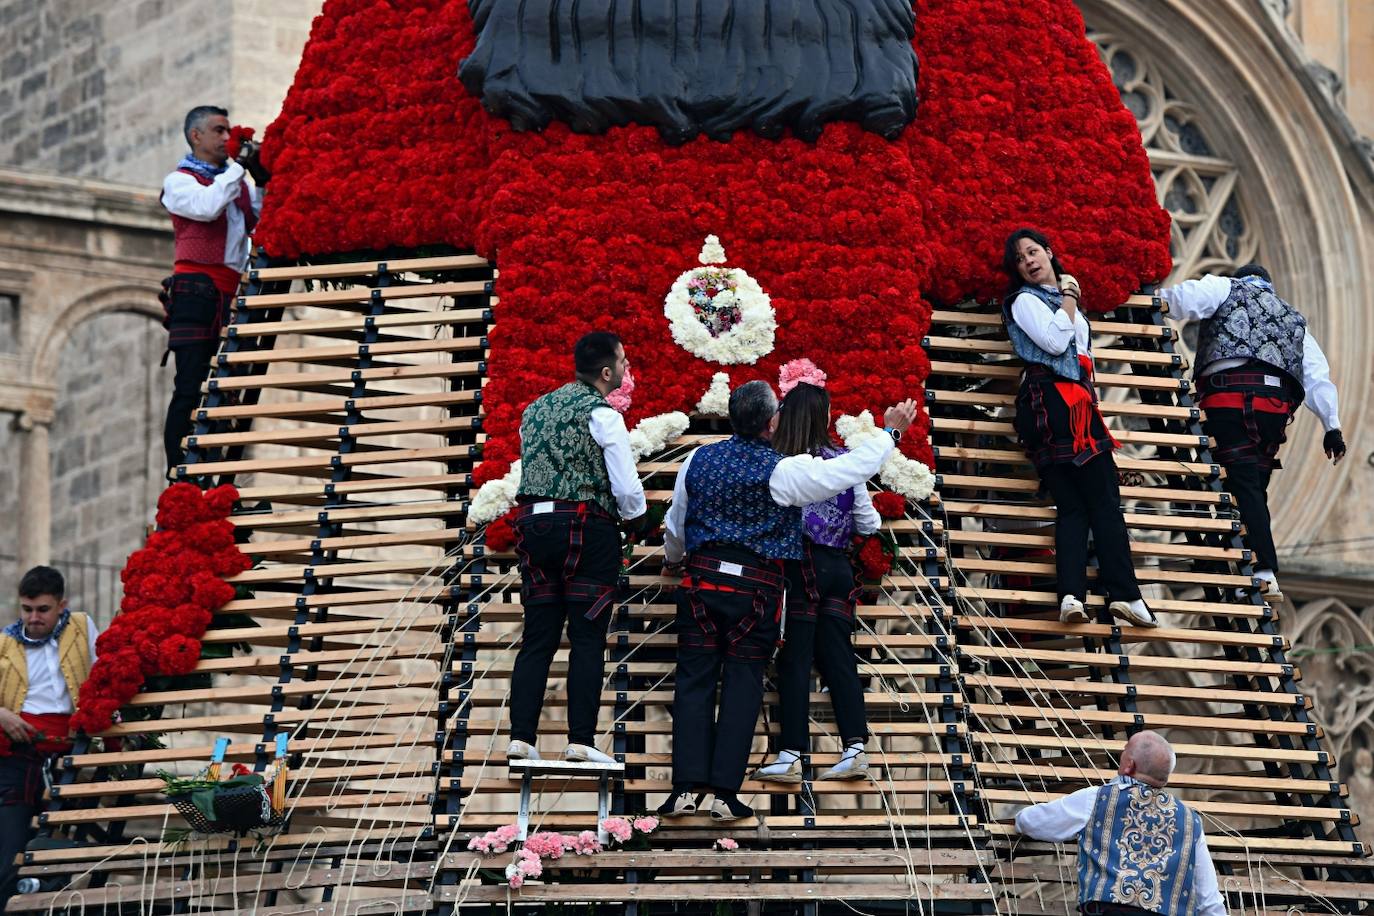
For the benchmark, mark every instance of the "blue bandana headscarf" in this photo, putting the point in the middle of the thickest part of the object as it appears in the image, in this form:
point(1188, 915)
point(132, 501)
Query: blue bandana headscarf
point(1257, 280)
point(16, 631)
point(199, 166)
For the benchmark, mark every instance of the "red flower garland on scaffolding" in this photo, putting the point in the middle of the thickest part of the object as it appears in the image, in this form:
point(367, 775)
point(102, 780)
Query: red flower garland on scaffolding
point(853, 237)
point(172, 587)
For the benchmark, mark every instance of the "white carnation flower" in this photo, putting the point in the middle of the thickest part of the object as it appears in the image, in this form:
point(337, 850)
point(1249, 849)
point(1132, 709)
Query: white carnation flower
point(652, 434)
point(716, 401)
point(495, 497)
point(901, 474)
point(712, 252)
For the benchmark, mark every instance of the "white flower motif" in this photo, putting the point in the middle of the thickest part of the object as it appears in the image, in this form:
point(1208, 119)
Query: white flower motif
point(904, 475)
point(495, 497)
point(744, 342)
point(652, 434)
point(712, 252)
point(716, 401)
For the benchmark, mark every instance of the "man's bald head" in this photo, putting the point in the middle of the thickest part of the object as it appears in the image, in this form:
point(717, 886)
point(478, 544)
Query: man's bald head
point(1149, 758)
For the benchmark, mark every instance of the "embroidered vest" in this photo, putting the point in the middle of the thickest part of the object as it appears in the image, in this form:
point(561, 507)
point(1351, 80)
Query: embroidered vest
point(205, 242)
point(1064, 365)
point(830, 523)
point(729, 502)
point(559, 459)
point(73, 654)
point(1253, 323)
point(1137, 849)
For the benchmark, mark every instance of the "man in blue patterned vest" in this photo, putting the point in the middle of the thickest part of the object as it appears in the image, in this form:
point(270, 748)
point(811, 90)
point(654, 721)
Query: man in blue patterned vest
point(736, 515)
point(577, 477)
point(1140, 850)
point(1255, 364)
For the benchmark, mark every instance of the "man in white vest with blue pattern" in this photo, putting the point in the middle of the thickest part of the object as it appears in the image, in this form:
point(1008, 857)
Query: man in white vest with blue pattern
point(1140, 849)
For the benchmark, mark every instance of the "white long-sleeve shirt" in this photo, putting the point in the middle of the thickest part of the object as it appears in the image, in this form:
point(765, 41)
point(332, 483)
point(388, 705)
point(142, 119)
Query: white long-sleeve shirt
point(1195, 300)
point(608, 429)
point(1050, 329)
point(796, 481)
point(183, 196)
point(1065, 818)
point(48, 693)
point(866, 518)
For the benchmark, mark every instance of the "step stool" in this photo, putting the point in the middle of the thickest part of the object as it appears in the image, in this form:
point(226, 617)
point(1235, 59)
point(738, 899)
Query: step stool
point(530, 770)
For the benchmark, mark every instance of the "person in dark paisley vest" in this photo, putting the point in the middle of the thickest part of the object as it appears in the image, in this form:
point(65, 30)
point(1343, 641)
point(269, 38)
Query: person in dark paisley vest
point(736, 517)
point(821, 599)
point(1140, 849)
point(577, 478)
point(1256, 362)
point(1061, 429)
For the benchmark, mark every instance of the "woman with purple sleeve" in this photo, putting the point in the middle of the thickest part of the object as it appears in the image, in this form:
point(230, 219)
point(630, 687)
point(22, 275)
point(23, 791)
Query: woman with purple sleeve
point(821, 598)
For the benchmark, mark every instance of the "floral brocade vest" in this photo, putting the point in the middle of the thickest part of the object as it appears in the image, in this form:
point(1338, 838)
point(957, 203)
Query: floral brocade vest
point(729, 501)
point(73, 654)
point(830, 522)
point(559, 459)
point(1253, 323)
point(1137, 849)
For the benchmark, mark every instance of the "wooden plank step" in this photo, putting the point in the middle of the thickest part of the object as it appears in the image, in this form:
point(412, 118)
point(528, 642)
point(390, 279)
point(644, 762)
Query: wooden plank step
point(314, 380)
point(324, 490)
point(326, 463)
point(1138, 548)
point(1128, 662)
point(1022, 770)
point(351, 717)
point(311, 773)
point(1078, 746)
point(322, 410)
point(360, 323)
point(938, 399)
point(1046, 569)
point(355, 839)
point(558, 820)
point(1102, 379)
point(347, 295)
point(1222, 693)
point(1161, 466)
point(1215, 808)
point(284, 546)
point(1128, 436)
point(1204, 637)
point(1101, 324)
point(1158, 605)
point(1223, 841)
point(386, 805)
point(1029, 484)
point(330, 439)
point(1149, 719)
point(416, 596)
point(830, 860)
point(324, 352)
point(744, 890)
point(367, 268)
point(1002, 347)
point(351, 512)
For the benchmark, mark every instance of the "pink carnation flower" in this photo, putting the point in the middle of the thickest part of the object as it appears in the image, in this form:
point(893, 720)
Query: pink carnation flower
point(548, 845)
point(529, 865)
point(798, 371)
point(726, 844)
point(619, 828)
point(646, 824)
point(620, 398)
point(586, 843)
point(517, 880)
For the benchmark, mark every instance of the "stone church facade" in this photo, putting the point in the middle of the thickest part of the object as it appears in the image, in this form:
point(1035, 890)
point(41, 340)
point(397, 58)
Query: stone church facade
point(1255, 113)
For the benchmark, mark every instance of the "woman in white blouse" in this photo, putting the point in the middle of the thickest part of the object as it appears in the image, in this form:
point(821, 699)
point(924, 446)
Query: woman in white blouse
point(1061, 429)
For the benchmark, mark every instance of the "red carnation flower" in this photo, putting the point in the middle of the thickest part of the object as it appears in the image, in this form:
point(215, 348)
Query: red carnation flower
point(237, 134)
point(178, 655)
point(219, 501)
point(889, 504)
point(874, 558)
point(180, 506)
point(500, 534)
point(210, 592)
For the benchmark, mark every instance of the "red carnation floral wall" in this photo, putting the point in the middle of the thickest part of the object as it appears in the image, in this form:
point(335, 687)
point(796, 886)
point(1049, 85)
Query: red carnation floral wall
point(853, 237)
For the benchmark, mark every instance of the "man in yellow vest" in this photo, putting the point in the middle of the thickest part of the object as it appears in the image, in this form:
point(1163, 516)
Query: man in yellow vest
point(45, 656)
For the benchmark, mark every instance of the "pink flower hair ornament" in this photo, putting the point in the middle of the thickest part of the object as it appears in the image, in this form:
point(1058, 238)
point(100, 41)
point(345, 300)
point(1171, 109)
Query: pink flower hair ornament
point(619, 399)
point(797, 372)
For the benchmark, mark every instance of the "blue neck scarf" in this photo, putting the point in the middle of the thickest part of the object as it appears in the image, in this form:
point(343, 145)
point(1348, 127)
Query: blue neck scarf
point(1258, 281)
point(200, 167)
point(16, 631)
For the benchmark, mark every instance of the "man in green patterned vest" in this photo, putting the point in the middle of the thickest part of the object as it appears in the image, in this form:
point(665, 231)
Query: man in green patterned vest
point(577, 478)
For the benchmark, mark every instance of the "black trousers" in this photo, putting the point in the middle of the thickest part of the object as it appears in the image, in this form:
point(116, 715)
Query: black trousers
point(543, 545)
point(1247, 475)
point(725, 639)
point(192, 366)
point(21, 798)
point(820, 629)
point(1088, 498)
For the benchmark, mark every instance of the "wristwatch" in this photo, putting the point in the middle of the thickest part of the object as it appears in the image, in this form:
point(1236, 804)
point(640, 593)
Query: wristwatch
point(895, 433)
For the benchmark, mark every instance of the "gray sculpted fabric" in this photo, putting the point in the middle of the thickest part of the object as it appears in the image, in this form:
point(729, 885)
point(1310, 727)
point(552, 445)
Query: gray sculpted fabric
point(687, 68)
point(1254, 323)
